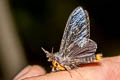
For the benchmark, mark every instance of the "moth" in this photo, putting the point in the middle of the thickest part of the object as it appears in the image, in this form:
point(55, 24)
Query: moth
point(76, 46)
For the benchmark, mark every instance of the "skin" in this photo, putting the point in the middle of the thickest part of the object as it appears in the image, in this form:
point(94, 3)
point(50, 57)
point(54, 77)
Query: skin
point(106, 69)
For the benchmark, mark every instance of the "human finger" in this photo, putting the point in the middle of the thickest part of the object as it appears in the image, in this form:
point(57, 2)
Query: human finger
point(30, 71)
point(107, 69)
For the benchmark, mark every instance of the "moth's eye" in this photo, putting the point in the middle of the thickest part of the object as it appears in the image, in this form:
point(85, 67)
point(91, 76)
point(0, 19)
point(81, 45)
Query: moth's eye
point(56, 64)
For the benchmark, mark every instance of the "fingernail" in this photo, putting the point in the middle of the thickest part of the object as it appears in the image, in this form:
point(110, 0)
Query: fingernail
point(24, 71)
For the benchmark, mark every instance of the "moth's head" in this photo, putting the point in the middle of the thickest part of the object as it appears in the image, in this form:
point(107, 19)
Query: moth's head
point(57, 66)
point(55, 58)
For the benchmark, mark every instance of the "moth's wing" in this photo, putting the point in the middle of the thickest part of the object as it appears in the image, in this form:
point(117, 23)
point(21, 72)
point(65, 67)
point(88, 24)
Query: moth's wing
point(77, 30)
point(83, 55)
point(76, 47)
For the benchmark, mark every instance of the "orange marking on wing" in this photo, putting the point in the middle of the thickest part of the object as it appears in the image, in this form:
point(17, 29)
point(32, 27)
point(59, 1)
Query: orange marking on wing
point(98, 57)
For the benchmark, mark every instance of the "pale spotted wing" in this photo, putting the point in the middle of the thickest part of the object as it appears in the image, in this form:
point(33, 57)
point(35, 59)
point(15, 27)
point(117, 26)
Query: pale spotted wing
point(77, 30)
point(75, 43)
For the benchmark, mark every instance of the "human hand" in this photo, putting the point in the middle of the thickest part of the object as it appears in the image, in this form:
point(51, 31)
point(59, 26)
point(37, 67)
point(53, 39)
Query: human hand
point(107, 69)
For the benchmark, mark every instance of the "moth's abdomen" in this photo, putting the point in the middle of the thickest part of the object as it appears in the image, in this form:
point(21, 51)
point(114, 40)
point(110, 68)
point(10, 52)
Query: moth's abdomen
point(86, 59)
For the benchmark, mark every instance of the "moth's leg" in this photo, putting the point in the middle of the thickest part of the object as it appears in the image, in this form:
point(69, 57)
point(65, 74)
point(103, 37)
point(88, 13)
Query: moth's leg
point(68, 69)
point(76, 69)
point(53, 69)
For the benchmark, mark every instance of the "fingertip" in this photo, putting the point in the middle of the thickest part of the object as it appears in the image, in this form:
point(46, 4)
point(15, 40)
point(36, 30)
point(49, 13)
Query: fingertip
point(30, 71)
point(23, 72)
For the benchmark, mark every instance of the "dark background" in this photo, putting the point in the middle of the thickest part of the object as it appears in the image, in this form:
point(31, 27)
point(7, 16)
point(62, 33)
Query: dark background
point(40, 23)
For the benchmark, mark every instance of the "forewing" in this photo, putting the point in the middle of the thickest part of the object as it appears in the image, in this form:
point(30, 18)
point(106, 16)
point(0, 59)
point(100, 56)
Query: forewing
point(77, 30)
